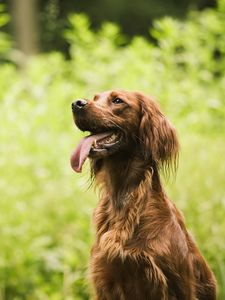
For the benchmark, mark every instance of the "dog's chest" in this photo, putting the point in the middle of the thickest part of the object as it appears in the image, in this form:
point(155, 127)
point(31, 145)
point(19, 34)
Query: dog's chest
point(125, 278)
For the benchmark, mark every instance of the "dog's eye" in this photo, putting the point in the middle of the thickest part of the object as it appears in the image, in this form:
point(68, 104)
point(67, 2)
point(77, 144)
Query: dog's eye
point(117, 100)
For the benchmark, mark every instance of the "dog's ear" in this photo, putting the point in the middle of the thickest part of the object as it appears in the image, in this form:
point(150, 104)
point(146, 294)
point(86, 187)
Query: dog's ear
point(157, 135)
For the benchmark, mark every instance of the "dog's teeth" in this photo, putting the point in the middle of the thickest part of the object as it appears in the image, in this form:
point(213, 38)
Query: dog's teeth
point(112, 137)
point(108, 140)
point(95, 144)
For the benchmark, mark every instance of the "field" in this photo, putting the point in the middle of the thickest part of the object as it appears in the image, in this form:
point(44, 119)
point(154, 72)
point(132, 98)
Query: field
point(46, 208)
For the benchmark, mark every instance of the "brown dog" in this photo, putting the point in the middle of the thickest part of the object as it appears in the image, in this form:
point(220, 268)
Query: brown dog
point(142, 248)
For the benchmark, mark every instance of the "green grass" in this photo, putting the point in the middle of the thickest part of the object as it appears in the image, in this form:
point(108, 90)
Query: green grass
point(46, 229)
point(199, 193)
point(46, 209)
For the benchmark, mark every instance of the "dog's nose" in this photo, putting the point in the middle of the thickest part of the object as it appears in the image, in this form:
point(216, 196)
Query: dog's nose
point(79, 104)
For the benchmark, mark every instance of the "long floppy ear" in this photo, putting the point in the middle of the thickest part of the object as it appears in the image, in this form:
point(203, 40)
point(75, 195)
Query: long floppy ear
point(158, 137)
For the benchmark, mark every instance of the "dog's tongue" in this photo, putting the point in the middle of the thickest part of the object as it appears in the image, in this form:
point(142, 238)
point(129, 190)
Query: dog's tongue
point(83, 149)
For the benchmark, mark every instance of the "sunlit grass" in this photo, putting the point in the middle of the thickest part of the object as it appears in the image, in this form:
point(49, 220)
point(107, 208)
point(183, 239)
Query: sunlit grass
point(199, 192)
point(46, 208)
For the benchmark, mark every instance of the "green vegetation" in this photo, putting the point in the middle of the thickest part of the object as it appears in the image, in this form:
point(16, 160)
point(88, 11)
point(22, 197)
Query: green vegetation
point(46, 208)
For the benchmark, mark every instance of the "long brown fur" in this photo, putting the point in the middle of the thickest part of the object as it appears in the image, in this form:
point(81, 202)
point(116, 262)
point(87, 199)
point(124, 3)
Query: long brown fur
point(142, 248)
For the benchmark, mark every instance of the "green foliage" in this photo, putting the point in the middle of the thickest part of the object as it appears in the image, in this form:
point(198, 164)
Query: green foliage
point(5, 42)
point(197, 59)
point(46, 208)
point(134, 17)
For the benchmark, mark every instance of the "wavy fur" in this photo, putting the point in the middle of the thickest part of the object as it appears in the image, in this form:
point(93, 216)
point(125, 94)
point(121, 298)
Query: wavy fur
point(142, 249)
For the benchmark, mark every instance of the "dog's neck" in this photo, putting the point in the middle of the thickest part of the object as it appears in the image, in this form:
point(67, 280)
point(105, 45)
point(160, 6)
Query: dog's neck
point(121, 175)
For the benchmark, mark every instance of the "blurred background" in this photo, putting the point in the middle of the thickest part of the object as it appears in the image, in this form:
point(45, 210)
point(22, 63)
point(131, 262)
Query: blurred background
point(53, 51)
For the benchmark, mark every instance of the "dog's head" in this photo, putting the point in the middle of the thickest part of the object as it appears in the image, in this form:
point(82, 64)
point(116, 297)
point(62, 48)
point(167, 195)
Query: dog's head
point(121, 121)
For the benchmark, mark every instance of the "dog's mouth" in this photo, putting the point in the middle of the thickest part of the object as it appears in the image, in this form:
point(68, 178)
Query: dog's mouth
point(95, 145)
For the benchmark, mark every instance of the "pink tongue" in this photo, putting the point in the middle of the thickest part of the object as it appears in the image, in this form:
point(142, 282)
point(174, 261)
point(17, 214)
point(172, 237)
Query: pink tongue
point(83, 149)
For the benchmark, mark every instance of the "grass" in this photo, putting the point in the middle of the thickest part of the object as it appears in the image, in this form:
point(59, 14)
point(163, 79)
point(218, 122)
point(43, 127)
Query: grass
point(45, 225)
point(46, 208)
point(199, 193)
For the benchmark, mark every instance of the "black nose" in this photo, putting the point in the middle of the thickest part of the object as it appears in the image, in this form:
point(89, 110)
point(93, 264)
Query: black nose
point(78, 104)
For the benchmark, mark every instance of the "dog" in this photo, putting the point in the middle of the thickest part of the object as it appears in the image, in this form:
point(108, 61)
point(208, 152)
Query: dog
point(142, 248)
